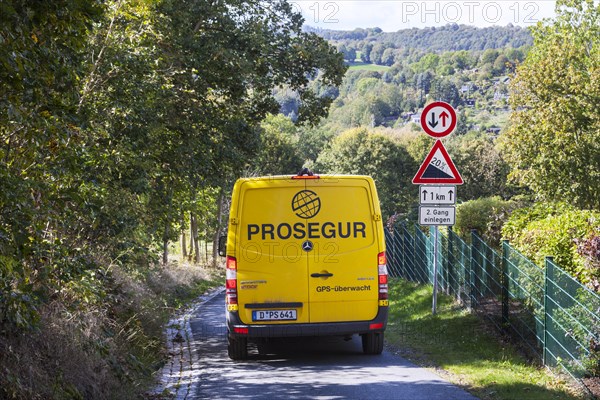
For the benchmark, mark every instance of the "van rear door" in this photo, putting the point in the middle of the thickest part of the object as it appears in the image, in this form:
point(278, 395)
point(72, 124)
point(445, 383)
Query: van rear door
point(343, 267)
point(272, 270)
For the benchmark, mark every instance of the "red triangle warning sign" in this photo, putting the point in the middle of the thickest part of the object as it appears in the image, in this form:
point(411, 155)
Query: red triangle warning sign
point(438, 168)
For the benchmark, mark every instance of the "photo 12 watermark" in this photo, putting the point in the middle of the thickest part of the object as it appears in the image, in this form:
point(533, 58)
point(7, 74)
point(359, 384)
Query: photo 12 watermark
point(393, 15)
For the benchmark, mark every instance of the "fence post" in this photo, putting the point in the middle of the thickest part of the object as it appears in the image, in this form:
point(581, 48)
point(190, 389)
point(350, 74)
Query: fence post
point(409, 251)
point(505, 284)
point(400, 247)
point(548, 277)
point(472, 274)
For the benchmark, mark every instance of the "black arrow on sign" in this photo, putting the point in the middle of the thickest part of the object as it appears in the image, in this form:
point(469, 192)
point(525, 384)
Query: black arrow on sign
point(433, 123)
point(424, 195)
point(451, 192)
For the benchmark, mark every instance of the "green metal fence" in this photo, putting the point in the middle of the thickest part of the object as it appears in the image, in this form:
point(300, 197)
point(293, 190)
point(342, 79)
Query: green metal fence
point(554, 317)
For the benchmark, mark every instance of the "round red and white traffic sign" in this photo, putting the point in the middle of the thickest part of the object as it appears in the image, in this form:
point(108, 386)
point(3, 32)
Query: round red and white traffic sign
point(438, 119)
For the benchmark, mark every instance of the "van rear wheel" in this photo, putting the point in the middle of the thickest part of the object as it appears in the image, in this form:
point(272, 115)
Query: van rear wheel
point(372, 343)
point(237, 348)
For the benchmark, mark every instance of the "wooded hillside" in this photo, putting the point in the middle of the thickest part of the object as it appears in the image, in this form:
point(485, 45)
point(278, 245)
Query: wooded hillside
point(451, 37)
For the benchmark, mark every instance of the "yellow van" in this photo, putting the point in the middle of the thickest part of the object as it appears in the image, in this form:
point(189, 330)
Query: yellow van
point(305, 257)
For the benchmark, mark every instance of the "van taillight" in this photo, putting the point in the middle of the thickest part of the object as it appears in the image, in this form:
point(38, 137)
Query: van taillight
point(231, 281)
point(383, 276)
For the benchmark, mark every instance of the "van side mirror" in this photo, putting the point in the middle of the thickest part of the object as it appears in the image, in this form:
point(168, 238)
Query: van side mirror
point(222, 248)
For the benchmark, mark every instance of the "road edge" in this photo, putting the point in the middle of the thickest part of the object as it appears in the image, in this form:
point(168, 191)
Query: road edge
point(177, 375)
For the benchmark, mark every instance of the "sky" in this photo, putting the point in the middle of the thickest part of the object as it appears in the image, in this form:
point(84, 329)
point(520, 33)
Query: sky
point(393, 15)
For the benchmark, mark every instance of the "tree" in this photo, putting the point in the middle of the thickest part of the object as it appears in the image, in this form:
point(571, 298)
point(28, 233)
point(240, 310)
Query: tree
point(278, 153)
point(348, 52)
point(501, 64)
point(202, 84)
point(489, 56)
point(462, 60)
point(351, 55)
point(553, 143)
point(118, 116)
point(443, 89)
point(42, 48)
point(481, 166)
point(359, 152)
point(423, 82)
point(311, 141)
point(365, 52)
point(288, 101)
point(428, 62)
point(389, 56)
point(377, 53)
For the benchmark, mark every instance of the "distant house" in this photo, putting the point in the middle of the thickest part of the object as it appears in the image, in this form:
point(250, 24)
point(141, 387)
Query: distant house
point(468, 87)
point(415, 118)
point(504, 80)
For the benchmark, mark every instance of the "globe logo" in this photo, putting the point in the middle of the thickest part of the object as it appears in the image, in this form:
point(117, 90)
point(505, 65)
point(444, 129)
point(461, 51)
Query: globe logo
point(306, 204)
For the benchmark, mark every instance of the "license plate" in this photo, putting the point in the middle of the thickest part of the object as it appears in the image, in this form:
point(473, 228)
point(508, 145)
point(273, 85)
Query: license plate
point(274, 315)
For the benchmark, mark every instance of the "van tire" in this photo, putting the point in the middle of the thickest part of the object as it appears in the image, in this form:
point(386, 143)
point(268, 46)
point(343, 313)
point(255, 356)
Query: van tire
point(372, 343)
point(237, 348)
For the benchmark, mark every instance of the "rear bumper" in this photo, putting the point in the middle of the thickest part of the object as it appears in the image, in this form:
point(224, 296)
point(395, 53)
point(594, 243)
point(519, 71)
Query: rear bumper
point(295, 330)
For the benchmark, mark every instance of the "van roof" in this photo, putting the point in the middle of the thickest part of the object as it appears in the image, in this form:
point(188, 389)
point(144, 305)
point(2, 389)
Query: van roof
point(315, 176)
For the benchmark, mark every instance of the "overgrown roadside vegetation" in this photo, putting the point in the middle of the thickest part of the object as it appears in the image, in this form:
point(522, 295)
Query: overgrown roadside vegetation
point(107, 348)
point(459, 343)
point(122, 125)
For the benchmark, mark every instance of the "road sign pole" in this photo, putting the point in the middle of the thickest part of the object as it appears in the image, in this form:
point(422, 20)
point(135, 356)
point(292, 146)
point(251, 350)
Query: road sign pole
point(435, 271)
point(438, 119)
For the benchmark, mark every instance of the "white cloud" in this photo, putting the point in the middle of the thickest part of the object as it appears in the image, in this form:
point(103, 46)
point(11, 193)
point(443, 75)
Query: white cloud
point(393, 15)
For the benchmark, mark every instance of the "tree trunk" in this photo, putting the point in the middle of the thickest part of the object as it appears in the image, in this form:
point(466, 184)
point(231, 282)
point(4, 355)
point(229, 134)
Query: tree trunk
point(192, 222)
point(215, 252)
point(183, 245)
point(166, 245)
point(194, 239)
point(206, 252)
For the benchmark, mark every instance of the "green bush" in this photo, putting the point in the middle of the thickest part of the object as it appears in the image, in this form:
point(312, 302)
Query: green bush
point(522, 217)
point(486, 215)
point(553, 230)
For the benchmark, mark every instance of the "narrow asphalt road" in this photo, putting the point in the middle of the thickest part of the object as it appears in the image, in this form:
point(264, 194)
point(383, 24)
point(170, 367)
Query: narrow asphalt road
point(325, 368)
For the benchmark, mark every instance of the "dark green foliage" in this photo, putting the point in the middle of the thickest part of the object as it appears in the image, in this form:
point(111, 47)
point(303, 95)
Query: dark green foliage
point(119, 117)
point(481, 166)
point(278, 154)
point(362, 153)
point(486, 215)
point(42, 52)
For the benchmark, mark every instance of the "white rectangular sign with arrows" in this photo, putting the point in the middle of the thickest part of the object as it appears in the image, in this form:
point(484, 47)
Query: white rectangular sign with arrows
point(437, 195)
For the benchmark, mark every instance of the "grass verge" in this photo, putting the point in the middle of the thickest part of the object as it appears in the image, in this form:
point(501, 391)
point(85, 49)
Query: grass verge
point(105, 346)
point(468, 353)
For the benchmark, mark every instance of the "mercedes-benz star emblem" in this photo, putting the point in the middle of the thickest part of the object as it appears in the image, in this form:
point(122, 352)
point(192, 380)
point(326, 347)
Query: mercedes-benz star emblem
point(307, 245)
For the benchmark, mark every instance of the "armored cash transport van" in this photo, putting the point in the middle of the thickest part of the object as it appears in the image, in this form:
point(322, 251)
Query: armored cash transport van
point(305, 257)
